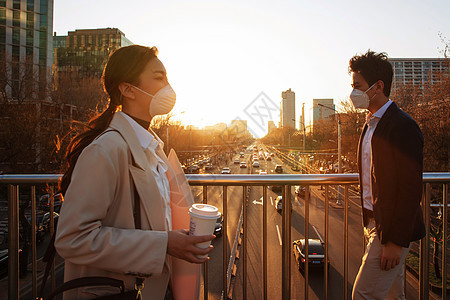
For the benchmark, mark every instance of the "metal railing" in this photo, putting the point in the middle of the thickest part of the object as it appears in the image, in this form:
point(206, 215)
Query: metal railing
point(286, 181)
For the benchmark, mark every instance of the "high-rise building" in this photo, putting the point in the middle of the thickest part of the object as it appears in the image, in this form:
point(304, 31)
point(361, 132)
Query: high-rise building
point(287, 109)
point(320, 112)
point(84, 52)
point(416, 71)
point(271, 126)
point(26, 28)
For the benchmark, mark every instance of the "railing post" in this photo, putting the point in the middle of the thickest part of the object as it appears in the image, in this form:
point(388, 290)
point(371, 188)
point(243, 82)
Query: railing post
point(306, 268)
point(33, 241)
point(265, 240)
point(424, 247)
point(325, 265)
point(346, 242)
point(444, 240)
point(244, 246)
point(285, 265)
point(13, 242)
point(224, 243)
point(205, 265)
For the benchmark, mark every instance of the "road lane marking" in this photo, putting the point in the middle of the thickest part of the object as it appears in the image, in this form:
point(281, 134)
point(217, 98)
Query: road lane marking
point(271, 201)
point(260, 202)
point(279, 236)
point(317, 232)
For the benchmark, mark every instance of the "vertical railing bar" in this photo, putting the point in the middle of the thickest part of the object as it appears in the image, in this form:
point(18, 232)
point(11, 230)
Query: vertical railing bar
point(422, 250)
point(427, 242)
point(265, 240)
point(225, 241)
point(244, 244)
point(13, 242)
point(444, 240)
point(284, 279)
point(205, 265)
point(306, 265)
point(52, 231)
point(33, 242)
point(288, 241)
point(346, 242)
point(325, 265)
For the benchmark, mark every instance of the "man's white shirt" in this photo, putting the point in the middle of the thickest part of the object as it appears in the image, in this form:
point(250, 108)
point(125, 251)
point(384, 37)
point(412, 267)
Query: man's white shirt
point(366, 154)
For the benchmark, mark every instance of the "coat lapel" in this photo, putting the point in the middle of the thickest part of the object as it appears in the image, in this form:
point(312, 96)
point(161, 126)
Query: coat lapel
point(144, 182)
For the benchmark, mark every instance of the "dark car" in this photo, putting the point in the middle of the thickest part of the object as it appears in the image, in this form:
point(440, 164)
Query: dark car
point(279, 168)
point(316, 254)
point(300, 190)
point(276, 188)
point(218, 227)
point(44, 202)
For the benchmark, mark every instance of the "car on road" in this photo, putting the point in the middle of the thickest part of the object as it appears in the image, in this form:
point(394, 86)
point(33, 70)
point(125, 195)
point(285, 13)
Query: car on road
point(236, 161)
point(316, 254)
point(219, 225)
point(226, 170)
point(276, 188)
point(261, 172)
point(268, 158)
point(300, 190)
point(208, 166)
point(279, 204)
point(255, 164)
point(194, 169)
point(44, 202)
point(243, 164)
point(279, 168)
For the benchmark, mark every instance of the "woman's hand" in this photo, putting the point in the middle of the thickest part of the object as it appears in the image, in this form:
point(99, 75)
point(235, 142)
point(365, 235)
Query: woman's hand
point(182, 245)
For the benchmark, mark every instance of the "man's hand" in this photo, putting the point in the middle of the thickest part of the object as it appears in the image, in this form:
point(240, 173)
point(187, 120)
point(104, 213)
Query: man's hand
point(390, 256)
point(182, 245)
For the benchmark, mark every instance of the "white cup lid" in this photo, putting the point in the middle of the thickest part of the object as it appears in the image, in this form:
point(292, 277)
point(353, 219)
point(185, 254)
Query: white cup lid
point(204, 211)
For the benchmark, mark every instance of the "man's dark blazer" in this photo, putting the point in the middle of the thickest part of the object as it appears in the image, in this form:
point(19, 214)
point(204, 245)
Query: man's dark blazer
point(396, 174)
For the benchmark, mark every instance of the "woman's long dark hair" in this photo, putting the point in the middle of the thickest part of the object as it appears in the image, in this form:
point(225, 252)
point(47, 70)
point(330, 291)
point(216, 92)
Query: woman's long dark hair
point(125, 64)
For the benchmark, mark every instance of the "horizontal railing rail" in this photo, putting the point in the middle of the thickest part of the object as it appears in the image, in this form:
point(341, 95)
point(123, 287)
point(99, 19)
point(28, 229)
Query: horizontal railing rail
point(205, 180)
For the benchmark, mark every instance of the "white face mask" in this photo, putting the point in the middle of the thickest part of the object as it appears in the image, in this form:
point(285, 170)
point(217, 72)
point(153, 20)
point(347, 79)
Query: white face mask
point(360, 99)
point(163, 101)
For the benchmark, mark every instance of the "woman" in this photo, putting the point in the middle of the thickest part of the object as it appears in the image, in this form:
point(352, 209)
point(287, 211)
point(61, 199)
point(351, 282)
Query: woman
point(114, 157)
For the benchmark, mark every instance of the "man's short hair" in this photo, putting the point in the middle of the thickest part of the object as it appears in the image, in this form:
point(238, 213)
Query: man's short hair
point(373, 67)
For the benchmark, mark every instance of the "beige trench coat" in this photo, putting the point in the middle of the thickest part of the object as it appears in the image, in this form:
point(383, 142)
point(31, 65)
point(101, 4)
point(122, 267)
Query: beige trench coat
point(96, 234)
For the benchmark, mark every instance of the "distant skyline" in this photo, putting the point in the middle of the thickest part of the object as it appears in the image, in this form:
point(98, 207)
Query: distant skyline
point(221, 55)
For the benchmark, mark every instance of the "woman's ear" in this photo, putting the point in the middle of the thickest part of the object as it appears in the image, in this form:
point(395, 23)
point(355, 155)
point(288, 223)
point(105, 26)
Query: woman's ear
point(126, 90)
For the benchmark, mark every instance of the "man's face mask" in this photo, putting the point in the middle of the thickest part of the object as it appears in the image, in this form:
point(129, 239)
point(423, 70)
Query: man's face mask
point(360, 99)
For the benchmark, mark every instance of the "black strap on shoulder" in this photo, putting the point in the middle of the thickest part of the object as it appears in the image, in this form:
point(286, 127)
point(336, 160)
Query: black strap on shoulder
point(90, 281)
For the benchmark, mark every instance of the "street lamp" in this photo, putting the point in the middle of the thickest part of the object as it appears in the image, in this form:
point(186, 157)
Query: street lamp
point(339, 145)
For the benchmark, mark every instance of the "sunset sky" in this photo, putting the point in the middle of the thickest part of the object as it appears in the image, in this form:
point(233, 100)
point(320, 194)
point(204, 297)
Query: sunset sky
point(220, 55)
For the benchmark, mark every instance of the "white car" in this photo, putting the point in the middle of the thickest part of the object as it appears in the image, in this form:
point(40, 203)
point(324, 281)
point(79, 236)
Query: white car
point(255, 164)
point(226, 170)
point(261, 172)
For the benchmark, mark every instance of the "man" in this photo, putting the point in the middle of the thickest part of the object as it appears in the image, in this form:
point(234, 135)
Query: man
point(390, 159)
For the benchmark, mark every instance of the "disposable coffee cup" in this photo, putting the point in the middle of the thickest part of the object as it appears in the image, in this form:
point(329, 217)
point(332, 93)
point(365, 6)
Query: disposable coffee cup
point(203, 222)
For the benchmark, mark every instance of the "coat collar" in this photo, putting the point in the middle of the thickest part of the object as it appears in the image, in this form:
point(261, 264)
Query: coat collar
point(122, 125)
point(144, 183)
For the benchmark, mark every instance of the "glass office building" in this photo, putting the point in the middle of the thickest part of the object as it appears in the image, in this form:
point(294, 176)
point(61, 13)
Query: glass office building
point(84, 52)
point(26, 28)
